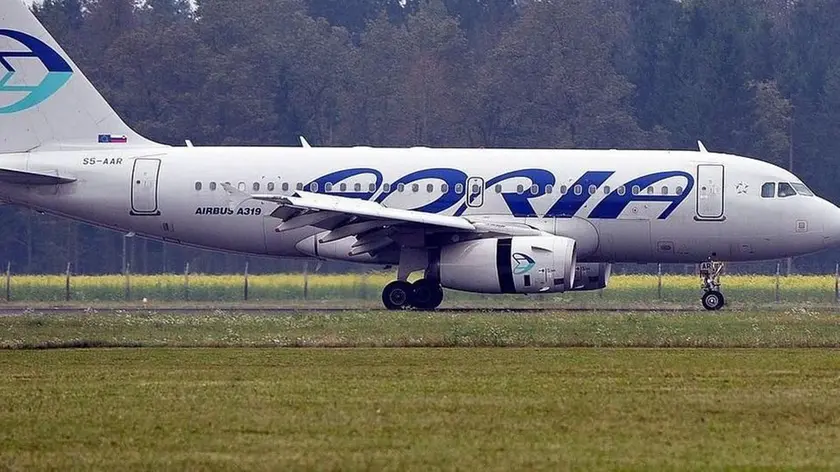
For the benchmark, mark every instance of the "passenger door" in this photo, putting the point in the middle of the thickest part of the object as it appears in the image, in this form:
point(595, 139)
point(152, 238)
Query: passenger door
point(710, 189)
point(144, 187)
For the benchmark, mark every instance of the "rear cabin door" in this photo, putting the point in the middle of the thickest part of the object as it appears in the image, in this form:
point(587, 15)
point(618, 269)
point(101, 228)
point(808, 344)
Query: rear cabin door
point(144, 187)
point(710, 185)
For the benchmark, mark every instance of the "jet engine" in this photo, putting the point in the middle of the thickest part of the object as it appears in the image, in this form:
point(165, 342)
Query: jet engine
point(591, 276)
point(520, 264)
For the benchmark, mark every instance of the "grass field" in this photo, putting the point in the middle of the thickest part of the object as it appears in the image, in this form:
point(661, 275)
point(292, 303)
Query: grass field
point(347, 399)
point(790, 328)
point(741, 290)
point(419, 409)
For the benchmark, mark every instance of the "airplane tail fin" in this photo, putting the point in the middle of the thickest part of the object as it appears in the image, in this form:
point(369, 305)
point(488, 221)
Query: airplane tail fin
point(46, 103)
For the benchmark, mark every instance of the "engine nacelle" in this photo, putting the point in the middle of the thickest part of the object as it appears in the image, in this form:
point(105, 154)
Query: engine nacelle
point(591, 276)
point(520, 264)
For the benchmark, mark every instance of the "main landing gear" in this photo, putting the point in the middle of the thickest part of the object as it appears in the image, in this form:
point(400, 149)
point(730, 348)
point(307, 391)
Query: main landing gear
point(710, 277)
point(424, 294)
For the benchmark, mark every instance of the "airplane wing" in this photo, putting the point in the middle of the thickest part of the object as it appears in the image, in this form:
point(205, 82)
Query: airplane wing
point(371, 223)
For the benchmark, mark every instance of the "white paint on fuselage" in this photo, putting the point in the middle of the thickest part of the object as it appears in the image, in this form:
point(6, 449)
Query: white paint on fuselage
point(753, 228)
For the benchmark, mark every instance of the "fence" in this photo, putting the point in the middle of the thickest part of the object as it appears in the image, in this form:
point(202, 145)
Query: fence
point(244, 287)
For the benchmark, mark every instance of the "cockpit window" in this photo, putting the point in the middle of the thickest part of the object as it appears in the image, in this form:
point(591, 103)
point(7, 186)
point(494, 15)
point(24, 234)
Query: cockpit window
point(802, 189)
point(786, 190)
point(768, 190)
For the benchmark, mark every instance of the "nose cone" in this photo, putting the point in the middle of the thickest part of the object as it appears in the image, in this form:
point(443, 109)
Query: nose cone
point(831, 225)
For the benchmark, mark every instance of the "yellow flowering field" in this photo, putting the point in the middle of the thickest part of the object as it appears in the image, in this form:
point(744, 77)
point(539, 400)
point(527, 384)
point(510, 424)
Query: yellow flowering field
point(368, 286)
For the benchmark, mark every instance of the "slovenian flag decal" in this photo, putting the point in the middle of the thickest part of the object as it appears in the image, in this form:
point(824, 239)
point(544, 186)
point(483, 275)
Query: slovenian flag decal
point(113, 139)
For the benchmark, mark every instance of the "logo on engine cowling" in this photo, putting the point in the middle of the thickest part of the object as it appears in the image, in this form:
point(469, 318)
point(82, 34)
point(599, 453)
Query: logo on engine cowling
point(524, 263)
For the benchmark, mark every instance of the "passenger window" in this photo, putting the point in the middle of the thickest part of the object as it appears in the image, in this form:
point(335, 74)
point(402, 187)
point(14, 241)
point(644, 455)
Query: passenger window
point(563, 190)
point(520, 188)
point(678, 190)
point(299, 186)
point(535, 189)
point(401, 188)
point(198, 185)
point(664, 190)
point(285, 186)
point(651, 190)
point(271, 186)
point(430, 188)
point(459, 188)
point(621, 190)
point(498, 188)
point(328, 187)
point(313, 187)
point(549, 188)
point(241, 186)
point(592, 189)
point(636, 189)
point(256, 186)
point(212, 186)
point(578, 189)
point(444, 188)
point(476, 189)
point(606, 189)
point(357, 187)
point(342, 187)
point(785, 190)
point(386, 188)
point(415, 188)
point(372, 187)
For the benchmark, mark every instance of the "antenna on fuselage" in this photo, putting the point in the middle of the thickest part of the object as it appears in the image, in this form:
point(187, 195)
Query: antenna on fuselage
point(304, 142)
point(702, 148)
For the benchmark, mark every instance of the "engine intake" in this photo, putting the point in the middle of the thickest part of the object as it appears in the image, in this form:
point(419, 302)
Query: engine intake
point(521, 264)
point(591, 276)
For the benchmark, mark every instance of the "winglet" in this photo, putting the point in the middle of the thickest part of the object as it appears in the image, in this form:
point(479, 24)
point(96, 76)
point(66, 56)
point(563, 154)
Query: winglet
point(702, 148)
point(304, 142)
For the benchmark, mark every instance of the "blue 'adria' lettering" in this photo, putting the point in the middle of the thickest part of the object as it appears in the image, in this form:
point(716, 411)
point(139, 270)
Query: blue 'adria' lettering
point(451, 177)
point(576, 197)
point(613, 204)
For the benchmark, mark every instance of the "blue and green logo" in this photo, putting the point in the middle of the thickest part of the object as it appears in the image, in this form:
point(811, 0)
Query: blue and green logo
point(524, 263)
point(58, 71)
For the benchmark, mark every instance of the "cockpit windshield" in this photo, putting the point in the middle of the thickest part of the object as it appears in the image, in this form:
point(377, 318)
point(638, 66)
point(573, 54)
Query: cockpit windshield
point(802, 189)
point(786, 190)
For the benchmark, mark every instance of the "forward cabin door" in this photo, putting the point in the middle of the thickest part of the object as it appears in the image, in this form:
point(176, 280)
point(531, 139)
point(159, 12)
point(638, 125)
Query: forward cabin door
point(710, 185)
point(144, 187)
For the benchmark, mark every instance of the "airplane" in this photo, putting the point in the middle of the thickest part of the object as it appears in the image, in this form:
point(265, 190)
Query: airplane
point(479, 220)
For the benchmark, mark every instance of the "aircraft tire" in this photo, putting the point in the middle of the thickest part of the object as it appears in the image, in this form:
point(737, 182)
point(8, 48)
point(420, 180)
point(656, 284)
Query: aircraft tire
point(713, 300)
point(426, 295)
point(397, 295)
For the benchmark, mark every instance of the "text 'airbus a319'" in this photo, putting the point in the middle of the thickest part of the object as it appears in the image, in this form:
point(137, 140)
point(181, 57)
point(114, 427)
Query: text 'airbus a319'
point(483, 220)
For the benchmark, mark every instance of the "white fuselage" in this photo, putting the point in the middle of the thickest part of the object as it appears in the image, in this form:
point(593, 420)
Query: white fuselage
point(688, 207)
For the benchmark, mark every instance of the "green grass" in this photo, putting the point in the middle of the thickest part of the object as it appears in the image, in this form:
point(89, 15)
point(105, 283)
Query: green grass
point(791, 328)
point(419, 409)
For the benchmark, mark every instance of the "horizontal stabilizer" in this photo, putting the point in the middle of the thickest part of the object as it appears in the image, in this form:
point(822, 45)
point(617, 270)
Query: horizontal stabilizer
point(23, 177)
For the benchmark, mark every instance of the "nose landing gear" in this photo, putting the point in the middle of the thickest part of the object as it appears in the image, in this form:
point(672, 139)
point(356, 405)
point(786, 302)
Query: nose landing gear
point(710, 277)
point(425, 294)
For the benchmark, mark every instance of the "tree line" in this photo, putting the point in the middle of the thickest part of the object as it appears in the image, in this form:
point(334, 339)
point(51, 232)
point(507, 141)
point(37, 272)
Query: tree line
point(754, 77)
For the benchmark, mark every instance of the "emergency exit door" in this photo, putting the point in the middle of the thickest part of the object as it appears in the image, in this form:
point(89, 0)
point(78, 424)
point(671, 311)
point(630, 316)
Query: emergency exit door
point(144, 187)
point(710, 187)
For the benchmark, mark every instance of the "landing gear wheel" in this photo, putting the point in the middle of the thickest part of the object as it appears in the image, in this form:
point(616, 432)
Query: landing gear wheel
point(427, 295)
point(397, 295)
point(713, 300)
point(710, 273)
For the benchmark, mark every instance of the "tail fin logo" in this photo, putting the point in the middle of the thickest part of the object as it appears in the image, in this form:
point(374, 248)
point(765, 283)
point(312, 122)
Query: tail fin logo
point(26, 96)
